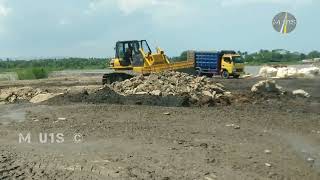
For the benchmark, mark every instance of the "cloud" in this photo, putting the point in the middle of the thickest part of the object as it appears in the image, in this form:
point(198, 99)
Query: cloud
point(153, 12)
point(98, 5)
point(4, 11)
point(131, 6)
point(284, 2)
point(128, 7)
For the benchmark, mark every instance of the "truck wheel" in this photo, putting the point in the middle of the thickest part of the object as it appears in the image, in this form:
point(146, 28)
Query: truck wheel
point(225, 75)
point(198, 73)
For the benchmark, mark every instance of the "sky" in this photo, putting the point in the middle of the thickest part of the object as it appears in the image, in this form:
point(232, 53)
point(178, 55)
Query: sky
point(90, 28)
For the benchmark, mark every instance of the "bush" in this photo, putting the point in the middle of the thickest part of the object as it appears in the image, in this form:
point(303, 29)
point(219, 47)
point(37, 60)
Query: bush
point(32, 73)
point(40, 73)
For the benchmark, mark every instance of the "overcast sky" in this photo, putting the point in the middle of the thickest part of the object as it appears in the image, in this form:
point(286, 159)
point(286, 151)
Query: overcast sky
point(90, 28)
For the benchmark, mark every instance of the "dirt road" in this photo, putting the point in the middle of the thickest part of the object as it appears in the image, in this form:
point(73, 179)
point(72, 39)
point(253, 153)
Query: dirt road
point(253, 138)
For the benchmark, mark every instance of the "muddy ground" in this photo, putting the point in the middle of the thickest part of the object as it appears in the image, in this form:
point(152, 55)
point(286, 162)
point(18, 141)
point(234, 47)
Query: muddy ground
point(255, 137)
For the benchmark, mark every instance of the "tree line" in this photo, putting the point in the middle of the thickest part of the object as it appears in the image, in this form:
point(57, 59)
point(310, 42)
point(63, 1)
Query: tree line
point(54, 64)
point(277, 56)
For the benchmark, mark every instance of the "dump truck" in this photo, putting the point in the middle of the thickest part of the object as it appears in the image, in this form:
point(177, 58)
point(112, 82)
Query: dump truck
point(224, 63)
point(135, 57)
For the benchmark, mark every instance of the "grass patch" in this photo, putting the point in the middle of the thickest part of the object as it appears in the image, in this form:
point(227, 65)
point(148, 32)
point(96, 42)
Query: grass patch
point(33, 73)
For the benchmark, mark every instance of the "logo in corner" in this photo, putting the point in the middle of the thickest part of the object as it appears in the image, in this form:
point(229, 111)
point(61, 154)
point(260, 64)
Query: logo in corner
point(284, 22)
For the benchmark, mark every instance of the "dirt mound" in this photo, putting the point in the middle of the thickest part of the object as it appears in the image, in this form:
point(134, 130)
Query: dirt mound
point(163, 89)
point(171, 83)
point(30, 94)
point(15, 94)
point(269, 94)
point(108, 96)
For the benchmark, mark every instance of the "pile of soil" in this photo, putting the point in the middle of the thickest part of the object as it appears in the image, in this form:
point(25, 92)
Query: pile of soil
point(15, 94)
point(173, 89)
point(171, 83)
point(108, 96)
point(25, 94)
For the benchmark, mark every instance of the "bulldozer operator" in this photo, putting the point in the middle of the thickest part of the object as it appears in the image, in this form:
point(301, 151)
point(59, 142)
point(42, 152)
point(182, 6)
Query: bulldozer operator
point(128, 56)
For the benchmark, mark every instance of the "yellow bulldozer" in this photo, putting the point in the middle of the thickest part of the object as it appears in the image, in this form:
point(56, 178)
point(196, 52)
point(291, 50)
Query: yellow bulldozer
point(135, 57)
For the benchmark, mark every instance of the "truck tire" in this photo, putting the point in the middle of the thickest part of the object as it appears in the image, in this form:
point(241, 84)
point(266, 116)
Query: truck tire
point(225, 75)
point(198, 73)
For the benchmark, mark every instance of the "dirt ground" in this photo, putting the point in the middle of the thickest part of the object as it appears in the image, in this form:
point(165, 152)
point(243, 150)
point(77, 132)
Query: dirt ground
point(254, 137)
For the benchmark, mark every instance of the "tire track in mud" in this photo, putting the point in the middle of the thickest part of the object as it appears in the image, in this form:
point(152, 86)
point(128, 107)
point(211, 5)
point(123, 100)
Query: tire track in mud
point(17, 167)
point(44, 167)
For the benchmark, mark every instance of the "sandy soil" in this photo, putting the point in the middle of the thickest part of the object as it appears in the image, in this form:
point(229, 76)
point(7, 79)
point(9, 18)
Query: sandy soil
point(256, 137)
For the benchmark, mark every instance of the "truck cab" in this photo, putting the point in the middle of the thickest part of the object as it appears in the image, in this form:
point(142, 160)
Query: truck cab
point(224, 63)
point(231, 65)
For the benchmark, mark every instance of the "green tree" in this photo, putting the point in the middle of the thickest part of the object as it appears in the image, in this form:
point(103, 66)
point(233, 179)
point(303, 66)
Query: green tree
point(314, 54)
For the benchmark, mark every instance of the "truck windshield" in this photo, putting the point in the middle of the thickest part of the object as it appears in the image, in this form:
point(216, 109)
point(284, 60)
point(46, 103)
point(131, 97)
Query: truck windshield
point(237, 60)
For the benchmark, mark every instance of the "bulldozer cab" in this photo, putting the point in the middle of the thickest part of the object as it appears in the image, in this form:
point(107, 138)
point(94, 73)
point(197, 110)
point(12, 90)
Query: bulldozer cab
point(129, 53)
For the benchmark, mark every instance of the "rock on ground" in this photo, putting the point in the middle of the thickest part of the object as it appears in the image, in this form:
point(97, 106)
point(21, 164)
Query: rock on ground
point(33, 95)
point(44, 97)
point(267, 86)
point(301, 92)
point(171, 83)
point(14, 94)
